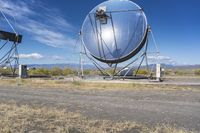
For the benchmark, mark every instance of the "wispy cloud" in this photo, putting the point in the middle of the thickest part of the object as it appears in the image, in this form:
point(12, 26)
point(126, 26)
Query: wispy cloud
point(18, 9)
point(46, 26)
point(31, 56)
point(38, 56)
point(57, 58)
point(43, 34)
point(161, 59)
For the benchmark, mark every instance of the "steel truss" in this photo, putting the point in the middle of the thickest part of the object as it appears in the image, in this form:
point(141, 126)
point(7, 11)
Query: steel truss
point(116, 71)
point(10, 57)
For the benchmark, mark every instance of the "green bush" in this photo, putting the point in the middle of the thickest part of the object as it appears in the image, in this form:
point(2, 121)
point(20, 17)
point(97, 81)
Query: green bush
point(169, 72)
point(86, 72)
point(6, 71)
point(179, 73)
point(142, 72)
point(56, 71)
point(39, 71)
point(91, 72)
point(68, 71)
point(197, 72)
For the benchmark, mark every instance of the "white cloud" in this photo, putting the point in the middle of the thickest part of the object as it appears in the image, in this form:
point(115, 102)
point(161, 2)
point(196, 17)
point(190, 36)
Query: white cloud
point(31, 56)
point(161, 59)
point(55, 57)
point(44, 34)
point(18, 9)
point(47, 27)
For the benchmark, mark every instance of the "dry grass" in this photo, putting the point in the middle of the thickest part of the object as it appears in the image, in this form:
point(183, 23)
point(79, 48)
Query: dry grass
point(27, 119)
point(85, 84)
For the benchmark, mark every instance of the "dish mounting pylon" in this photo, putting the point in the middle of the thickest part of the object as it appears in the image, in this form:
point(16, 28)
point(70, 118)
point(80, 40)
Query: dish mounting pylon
point(9, 58)
point(142, 57)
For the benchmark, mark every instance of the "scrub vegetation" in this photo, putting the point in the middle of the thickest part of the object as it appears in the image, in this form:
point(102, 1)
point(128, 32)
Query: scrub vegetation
point(76, 83)
point(24, 119)
point(197, 72)
point(182, 72)
point(56, 71)
point(5, 71)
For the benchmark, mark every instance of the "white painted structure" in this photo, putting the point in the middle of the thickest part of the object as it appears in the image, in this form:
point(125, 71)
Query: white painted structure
point(159, 72)
point(23, 71)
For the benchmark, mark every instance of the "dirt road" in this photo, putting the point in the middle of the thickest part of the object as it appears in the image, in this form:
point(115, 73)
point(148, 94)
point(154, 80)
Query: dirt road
point(180, 108)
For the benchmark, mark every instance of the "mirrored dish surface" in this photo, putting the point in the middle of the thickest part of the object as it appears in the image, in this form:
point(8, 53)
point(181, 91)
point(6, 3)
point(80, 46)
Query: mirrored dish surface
point(114, 31)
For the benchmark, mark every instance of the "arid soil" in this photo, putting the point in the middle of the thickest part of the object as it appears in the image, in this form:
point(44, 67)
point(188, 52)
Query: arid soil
point(179, 108)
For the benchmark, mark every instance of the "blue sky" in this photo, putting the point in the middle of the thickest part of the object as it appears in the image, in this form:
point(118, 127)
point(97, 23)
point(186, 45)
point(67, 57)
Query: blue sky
point(50, 28)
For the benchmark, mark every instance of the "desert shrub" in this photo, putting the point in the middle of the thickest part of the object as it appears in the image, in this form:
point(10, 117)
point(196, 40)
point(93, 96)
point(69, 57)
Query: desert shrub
point(183, 72)
point(91, 72)
point(68, 71)
point(109, 71)
point(179, 73)
point(86, 72)
point(56, 71)
point(39, 71)
point(169, 72)
point(5, 71)
point(142, 72)
point(197, 72)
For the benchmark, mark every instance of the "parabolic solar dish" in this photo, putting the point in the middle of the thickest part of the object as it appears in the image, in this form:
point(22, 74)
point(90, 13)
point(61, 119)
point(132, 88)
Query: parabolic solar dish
point(115, 31)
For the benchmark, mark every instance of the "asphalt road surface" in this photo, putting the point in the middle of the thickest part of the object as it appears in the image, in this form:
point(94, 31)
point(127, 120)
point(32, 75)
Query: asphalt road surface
point(179, 108)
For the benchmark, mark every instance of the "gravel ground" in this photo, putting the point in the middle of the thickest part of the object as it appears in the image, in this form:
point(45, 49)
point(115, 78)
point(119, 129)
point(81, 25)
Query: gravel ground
point(179, 108)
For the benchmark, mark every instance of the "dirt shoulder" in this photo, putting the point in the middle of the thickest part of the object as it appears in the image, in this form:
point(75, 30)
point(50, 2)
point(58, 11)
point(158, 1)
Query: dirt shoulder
point(25, 118)
point(162, 105)
point(76, 83)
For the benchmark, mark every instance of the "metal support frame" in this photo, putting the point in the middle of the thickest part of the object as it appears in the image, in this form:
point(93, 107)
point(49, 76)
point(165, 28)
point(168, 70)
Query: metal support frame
point(114, 66)
point(11, 57)
point(115, 73)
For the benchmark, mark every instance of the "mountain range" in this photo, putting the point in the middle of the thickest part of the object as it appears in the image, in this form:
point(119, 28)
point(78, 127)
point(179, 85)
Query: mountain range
point(90, 66)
